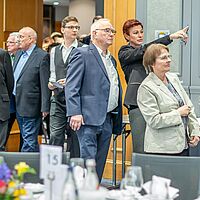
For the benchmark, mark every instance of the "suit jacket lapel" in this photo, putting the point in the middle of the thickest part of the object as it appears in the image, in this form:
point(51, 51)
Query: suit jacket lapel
point(162, 86)
point(27, 64)
point(173, 81)
point(98, 58)
point(17, 57)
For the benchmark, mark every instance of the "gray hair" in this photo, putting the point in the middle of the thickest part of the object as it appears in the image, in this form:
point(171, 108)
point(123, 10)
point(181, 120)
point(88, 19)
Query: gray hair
point(96, 25)
point(16, 35)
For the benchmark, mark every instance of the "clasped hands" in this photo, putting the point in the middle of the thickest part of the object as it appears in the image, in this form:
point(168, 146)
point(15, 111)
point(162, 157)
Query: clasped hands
point(185, 111)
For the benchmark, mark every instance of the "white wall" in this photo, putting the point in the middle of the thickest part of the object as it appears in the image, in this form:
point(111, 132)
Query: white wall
point(84, 10)
point(61, 12)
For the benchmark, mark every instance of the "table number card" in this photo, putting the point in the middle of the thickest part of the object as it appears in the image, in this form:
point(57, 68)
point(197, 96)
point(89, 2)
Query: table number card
point(54, 189)
point(50, 159)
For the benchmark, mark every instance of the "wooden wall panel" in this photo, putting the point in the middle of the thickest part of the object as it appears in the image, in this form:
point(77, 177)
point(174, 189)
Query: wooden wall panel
point(1, 23)
point(16, 14)
point(118, 11)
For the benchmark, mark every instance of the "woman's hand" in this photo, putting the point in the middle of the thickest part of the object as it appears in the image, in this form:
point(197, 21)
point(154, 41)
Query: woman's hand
point(194, 140)
point(181, 34)
point(184, 110)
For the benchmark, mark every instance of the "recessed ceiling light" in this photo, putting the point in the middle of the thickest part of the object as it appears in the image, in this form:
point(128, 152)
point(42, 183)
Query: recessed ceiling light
point(55, 3)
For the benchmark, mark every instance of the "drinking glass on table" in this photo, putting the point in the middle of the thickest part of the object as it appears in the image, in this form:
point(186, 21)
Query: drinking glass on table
point(133, 179)
point(78, 170)
point(159, 188)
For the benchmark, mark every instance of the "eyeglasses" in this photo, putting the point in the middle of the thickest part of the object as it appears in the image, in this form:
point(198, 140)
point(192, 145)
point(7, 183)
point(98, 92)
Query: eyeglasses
point(165, 57)
point(72, 27)
point(108, 30)
point(10, 42)
point(23, 36)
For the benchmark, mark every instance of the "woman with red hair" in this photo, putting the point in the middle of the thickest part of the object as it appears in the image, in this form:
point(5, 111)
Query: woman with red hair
point(131, 58)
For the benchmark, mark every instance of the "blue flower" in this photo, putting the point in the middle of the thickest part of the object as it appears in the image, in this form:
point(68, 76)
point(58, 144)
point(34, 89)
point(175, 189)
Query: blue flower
point(5, 172)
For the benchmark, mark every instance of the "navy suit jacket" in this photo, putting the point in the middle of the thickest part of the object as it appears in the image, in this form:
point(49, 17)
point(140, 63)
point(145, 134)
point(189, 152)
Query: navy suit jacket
point(32, 93)
point(87, 88)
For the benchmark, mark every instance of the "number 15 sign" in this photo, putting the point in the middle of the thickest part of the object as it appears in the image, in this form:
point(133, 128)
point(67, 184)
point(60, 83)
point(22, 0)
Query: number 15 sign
point(50, 159)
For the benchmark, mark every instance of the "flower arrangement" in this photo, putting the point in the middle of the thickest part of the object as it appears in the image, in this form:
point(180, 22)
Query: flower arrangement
point(11, 182)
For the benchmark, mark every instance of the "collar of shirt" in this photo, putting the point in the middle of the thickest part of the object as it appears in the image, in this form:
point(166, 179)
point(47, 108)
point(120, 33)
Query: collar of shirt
point(29, 51)
point(101, 52)
point(74, 44)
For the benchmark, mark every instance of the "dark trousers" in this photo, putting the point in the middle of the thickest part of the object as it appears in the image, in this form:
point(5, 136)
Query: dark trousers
point(59, 127)
point(3, 134)
point(138, 126)
point(94, 143)
point(10, 124)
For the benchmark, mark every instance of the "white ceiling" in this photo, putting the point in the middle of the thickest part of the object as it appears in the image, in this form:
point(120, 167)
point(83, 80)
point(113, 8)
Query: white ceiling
point(61, 2)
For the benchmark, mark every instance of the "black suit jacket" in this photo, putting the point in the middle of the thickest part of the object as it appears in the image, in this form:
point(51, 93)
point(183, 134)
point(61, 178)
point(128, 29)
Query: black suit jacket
point(131, 62)
point(32, 93)
point(6, 84)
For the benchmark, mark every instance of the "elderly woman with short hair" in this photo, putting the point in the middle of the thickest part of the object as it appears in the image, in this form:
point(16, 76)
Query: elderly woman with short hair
point(171, 124)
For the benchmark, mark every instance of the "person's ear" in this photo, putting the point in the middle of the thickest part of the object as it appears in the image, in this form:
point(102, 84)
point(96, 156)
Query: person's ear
point(127, 36)
point(62, 30)
point(94, 34)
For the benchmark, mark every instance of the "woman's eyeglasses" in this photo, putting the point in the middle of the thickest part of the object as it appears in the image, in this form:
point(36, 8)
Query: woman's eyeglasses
point(165, 57)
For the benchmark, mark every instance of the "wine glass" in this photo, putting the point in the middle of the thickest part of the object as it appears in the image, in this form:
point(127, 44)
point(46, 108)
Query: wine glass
point(134, 178)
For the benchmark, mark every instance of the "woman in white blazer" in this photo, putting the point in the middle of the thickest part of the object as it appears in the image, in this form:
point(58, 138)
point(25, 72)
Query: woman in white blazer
point(172, 126)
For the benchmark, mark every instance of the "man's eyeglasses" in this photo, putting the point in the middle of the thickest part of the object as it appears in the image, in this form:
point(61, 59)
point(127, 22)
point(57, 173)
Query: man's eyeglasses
point(165, 57)
point(10, 42)
point(72, 27)
point(108, 30)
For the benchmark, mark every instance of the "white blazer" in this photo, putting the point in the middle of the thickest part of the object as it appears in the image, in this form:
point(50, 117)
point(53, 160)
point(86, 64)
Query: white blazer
point(165, 131)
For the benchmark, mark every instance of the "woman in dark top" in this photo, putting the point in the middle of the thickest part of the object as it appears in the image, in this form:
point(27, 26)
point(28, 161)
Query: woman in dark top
point(131, 58)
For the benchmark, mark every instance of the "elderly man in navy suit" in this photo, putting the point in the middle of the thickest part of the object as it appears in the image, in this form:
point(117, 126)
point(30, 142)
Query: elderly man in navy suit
point(93, 95)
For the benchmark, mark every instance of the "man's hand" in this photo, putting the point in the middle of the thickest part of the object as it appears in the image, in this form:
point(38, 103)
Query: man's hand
point(62, 81)
point(76, 121)
point(194, 140)
point(51, 86)
point(44, 114)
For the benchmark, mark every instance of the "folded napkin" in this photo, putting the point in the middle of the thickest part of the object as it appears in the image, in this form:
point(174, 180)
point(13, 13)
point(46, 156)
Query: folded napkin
point(158, 182)
point(34, 187)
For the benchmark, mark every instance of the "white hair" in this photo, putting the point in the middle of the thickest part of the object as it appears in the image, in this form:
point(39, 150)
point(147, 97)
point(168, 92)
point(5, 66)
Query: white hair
point(96, 25)
point(16, 35)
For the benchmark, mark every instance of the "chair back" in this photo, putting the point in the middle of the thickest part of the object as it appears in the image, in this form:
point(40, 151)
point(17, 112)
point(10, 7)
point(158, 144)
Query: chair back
point(184, 172)
point(32, 159)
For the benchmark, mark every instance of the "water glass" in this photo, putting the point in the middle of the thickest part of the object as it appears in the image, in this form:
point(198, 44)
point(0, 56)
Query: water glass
point(134, 178)
point(78, 171)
